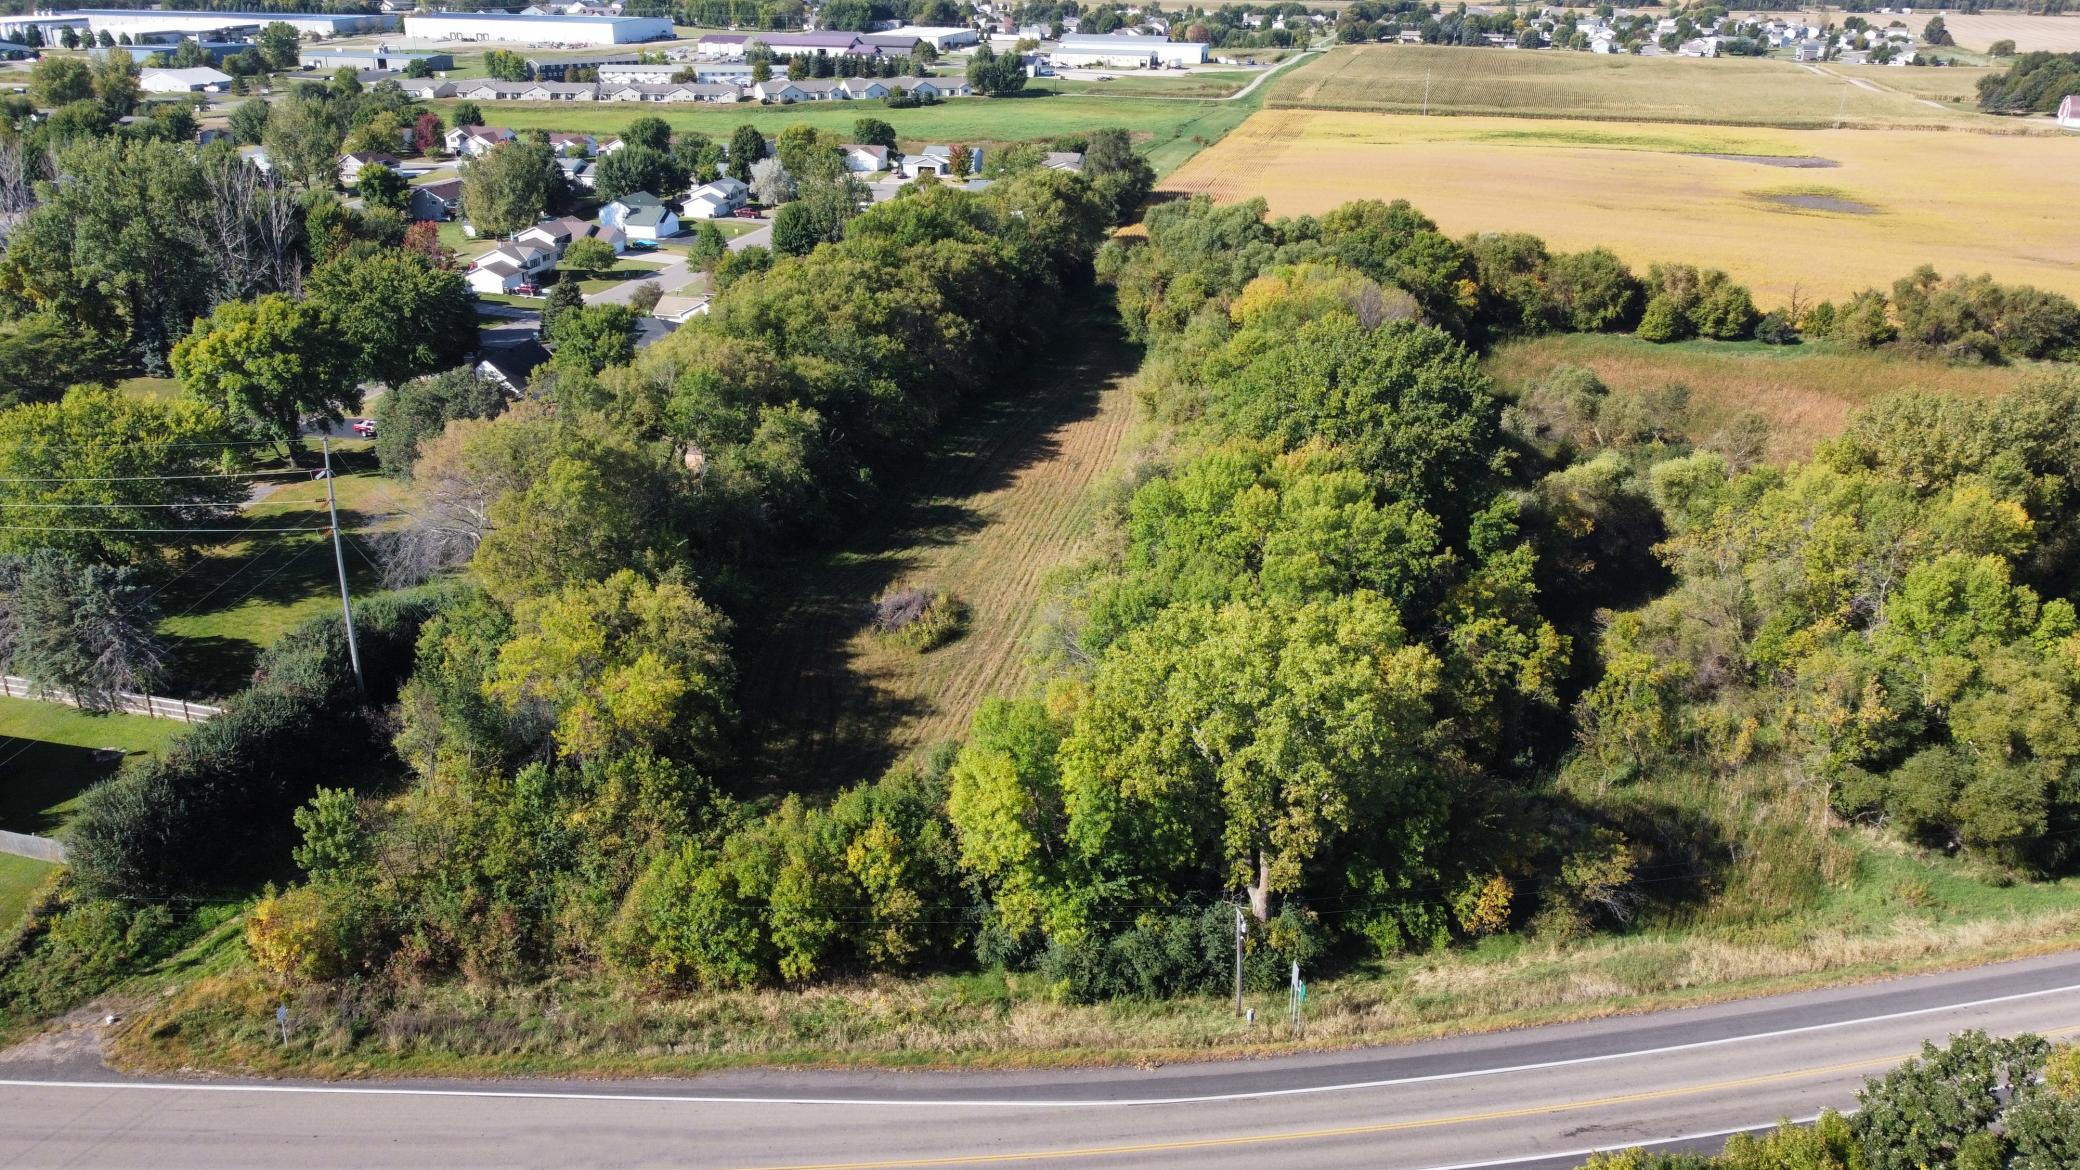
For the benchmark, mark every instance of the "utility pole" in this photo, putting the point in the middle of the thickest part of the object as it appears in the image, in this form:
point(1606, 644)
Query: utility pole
point(1241, 929)
point(339, 560)
point(1426, 93)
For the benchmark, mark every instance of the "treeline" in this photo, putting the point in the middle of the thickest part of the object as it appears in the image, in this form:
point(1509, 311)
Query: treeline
point(2033, 83)
point(570, 724)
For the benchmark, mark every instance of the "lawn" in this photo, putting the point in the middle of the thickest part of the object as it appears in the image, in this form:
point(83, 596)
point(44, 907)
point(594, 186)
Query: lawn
point(1806, 391)
point(19, 877)
point(239, 595)
point(1733, 91)
point(1966, 203)
point(143, 387)
point(1005, 497)
point(1207, 83)
point(50, 753)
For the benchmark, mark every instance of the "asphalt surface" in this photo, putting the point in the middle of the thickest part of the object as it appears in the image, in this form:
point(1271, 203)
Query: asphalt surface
point(1535, 1099)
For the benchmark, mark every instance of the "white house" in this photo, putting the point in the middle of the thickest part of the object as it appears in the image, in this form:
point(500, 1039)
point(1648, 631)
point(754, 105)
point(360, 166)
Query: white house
point(426, 88)
point(560, 91)
point(491, 91)
point(200, 79)
point(864, 160)
point(655, 222)
point(554, 235)
point(863, 88)
point(614, 213)
point(717, 199)
point(350, 166)
point(938, 160)
point(475, 141)
point(508, 266)
point(435, 200)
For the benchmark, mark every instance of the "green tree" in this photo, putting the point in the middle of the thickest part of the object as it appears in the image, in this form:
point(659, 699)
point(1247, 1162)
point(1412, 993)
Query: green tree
point(379, 186)
point(594, 337)
point(637, 168)
point(995, 76)
point(467, 114)
point(619, 666)
point(303, 141)
point(60, 81)
point(421, 408)
point(506, 65)
point(398, 313)
point(589, 255)
point(116, 84)
point(1592, 292)
point(1121, 177)
point(129, 463)
point(708, 245)
point(249, 121)
point(651, 133)
point(87, 630)
point(564, 296)
point(873, 132)
point(275, 361)
point(746, 146)
point(507, 189)
point(281, 46)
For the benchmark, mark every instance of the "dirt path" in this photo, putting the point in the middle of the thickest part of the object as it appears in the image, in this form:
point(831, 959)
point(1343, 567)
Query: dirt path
point(1005, 498)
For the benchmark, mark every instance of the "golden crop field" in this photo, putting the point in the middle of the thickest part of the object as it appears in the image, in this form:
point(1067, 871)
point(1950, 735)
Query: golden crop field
point(1869, 207)
point(2056, 34)
point(1736, 91)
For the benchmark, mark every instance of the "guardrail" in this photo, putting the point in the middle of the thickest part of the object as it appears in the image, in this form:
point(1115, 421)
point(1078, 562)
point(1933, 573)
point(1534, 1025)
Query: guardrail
point(156, 706)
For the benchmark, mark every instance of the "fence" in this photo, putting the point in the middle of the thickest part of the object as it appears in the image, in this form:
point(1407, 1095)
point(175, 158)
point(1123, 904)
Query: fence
point(157, 706)
point(24, 845)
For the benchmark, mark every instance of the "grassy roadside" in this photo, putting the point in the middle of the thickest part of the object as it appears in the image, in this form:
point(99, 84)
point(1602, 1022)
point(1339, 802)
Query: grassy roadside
point(1903, 915)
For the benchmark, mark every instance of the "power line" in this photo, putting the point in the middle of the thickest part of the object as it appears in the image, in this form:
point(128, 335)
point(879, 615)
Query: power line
point(165, 531)
point(143, 478)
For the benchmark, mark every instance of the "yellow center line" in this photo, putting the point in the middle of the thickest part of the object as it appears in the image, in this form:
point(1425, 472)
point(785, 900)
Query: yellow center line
point(1366, 1130)
point(1343, 1131)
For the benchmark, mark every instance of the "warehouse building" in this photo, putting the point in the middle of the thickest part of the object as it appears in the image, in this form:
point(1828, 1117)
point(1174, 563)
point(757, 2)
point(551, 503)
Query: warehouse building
point(905, 39)
point(134, 21)
point(380, 58)
point(1117, 51)
point(538, 30)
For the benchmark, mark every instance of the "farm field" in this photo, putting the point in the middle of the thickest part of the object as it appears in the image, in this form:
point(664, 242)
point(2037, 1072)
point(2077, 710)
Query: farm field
point(1735, 91)
point(2056, 34)
point(1202, 84)
point(1004, 499)
point(1166, 131)
point(1805, 391)
point(1890, 201)
point(1952, 83)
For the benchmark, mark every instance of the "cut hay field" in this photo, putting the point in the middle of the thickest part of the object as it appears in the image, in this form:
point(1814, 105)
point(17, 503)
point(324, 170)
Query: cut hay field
point(2056, 34)
point(1733, 91)
point(1962, 202)
point(1004, 498)
point(1805, 391)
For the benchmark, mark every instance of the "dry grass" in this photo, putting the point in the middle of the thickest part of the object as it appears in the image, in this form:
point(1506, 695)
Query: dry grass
point(1806, 391)
point(225, 1021)
point(1963, 202)
point(1959, 84)
point(2057, 34)
point(1739, 91)
point(1003, 499)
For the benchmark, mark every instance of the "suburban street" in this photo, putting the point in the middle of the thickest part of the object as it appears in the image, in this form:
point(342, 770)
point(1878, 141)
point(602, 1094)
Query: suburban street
point(1534, 1098)
point(678, 274)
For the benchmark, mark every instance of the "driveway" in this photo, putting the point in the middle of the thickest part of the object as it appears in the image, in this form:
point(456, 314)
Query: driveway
point(678, 274)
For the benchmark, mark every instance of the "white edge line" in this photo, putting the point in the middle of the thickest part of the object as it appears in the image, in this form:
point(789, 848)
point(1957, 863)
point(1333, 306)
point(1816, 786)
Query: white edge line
point(990, 1103)
point(1647, 1143)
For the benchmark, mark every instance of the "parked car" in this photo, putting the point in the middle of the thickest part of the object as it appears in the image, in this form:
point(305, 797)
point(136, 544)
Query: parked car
point(366, 428)
point(642, 245)
point(745, 213)
point(528, 290)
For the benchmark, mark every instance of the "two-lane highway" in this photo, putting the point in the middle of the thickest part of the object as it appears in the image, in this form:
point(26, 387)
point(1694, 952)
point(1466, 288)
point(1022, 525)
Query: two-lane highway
point(1536, 1098)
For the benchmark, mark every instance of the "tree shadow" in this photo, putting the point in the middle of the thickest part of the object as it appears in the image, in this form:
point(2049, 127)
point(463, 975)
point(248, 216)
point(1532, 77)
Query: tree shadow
point(817, 717)
point(37, 776)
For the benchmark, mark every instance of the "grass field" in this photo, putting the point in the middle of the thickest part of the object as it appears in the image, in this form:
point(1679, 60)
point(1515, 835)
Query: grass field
point(238, 596)
point(1806, 391)
point(19, 877)
point(1207, 83)
point(1004, 498)
point(1957, 85)
point(1733, 91)
point(2056, 34)
point(1963, 202)
point(50, 753)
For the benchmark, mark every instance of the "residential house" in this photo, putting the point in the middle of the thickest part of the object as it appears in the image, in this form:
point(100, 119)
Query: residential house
point(864, 160)
point(426, 89)
point(554, 234)
point(578, 172)
point(560, 91)
point(491, 90)
point(655, 222)
point(1064, 160)
point(614, 213)
point(562, 142)
point(863, 88)
point(717, 199)
point(475, 141)
point(350, 165)
point(509, 366)
point(508, 266)
point(780, 89)
point(612, 237)
point(938, 160)
point(435, 200)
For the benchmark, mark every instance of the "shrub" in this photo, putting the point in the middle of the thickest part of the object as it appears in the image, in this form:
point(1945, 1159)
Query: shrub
point(1664, 321)
point(1776, 329)
point(921, 620)
point(311, 933)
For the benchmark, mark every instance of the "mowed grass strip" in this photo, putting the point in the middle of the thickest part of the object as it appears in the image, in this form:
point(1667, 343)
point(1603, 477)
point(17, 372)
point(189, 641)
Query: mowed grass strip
point(1807, 392)
point(1966, 203)
point(1978, 31)
point(1732, 91)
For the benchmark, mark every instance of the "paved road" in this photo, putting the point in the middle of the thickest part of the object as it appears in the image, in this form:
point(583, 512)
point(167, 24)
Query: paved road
point(1534, 1099)
point(678, 274)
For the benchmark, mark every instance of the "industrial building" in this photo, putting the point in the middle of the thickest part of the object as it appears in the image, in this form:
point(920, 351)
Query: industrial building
point(327, 60)
point(195, 80)
point(940, 38)
point(147, 20)
point(16, 28)
point(538, 30)
point(1119, 51)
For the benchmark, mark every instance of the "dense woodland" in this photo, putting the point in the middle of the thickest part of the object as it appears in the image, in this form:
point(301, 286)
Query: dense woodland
point(1372, 654)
